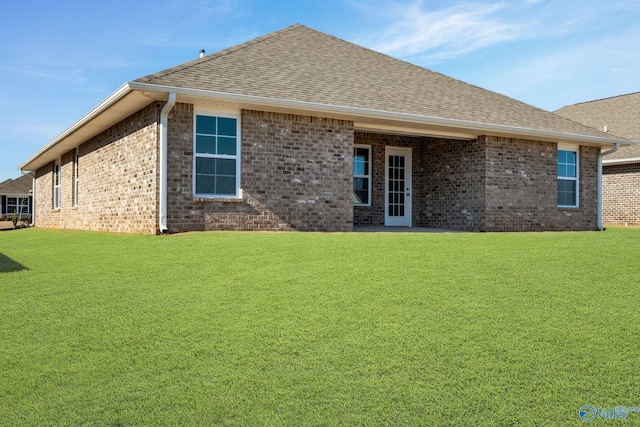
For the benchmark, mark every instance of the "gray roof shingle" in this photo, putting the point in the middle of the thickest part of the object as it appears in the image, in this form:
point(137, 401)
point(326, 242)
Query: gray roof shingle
point(302, 64)
point(621, 115)
point(18, 186)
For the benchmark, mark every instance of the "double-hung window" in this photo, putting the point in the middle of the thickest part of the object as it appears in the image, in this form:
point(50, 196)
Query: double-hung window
point(568, 178)
point(57, 178)
point(217, 156)
point(362, 175)
point(19, 205)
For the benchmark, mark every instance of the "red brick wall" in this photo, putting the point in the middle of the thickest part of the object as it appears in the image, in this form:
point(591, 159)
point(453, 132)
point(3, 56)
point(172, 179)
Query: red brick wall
point(118, 176)
point(621, 194)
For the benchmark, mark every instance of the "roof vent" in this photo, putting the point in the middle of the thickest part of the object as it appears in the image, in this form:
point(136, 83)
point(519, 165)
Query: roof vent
point(605, 128)
point(201, 53)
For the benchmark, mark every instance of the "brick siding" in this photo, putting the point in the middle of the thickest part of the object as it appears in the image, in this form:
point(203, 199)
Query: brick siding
point(621, 194)
point(488, 184)
point(118, 176)
point(374, 214)
point(296, 175)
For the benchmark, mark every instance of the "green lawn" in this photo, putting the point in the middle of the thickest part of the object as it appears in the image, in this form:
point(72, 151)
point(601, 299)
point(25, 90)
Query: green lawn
point(329, 329)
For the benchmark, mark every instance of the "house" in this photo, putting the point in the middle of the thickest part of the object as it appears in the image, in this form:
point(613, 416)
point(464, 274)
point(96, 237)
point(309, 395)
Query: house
point(299, 130)
point(15, 196)
point(621, 169)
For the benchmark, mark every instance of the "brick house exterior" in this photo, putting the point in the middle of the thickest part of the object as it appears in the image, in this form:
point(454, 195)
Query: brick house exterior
point(16, 196)
point(621, 169)
point(315, 149)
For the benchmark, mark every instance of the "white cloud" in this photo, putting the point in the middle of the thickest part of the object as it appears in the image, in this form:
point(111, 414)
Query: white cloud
point(443, 33)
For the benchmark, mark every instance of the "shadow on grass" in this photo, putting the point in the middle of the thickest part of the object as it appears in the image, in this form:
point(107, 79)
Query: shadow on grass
point(7, 265)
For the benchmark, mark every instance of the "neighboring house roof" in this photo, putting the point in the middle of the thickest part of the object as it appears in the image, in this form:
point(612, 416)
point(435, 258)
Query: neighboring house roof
point(301, 70)
point(621, 116)
point(17, 187)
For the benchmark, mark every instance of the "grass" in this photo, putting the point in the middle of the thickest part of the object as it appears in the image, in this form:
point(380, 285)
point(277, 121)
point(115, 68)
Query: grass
point(317, 329)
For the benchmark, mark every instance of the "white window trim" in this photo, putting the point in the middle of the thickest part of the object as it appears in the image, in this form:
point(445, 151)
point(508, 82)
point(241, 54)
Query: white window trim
point(237, 157)
point(75, 177)
point(369, 176)
point(17, 206)
point(57, 188)
point(575, 149)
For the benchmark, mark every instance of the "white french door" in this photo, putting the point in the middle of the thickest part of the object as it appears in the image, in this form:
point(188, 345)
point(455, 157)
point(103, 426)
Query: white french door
point(397, 193)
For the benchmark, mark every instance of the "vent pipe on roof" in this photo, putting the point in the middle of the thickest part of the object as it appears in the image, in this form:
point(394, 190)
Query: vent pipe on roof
point(201, 53)
point(605, 128)
point(600, 156)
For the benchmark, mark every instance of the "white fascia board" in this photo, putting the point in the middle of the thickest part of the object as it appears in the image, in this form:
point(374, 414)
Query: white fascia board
point(354, 112)
point(620, 161)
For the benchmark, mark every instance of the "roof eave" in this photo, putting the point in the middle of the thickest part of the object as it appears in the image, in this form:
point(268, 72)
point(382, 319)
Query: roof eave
point(628, 160)
point(89, 125)
point(354, 113)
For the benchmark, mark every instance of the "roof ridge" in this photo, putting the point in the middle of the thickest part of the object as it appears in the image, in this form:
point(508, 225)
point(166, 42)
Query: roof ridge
point(223, 52)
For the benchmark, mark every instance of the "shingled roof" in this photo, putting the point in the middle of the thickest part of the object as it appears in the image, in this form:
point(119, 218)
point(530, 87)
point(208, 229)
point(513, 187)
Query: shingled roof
point(621, 116)
point(303, 71)
point(302, 64)
point(17, 187)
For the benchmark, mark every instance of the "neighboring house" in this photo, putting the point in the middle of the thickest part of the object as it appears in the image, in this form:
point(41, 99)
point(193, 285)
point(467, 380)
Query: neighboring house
point(620, 115)
point(15, 196)
point(299, 130)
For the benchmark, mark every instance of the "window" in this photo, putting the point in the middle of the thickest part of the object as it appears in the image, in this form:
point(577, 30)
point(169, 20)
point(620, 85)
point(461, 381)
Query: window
point(75, 179)
point(362, 175)
point(568, 178)
point(57, 177)
point(217, 156)
point(19, 205)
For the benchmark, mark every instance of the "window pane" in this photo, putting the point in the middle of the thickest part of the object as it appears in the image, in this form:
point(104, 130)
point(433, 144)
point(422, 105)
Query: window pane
point(205, 166)
point(206, 124)
point(567, 194)
point(205, 144)
point(361, 161)
point(205, 184)
point(226, 126)
point(226, 167)
point(225, 185)
point(562, 156)
point(562, 169)
point(571, 157)
point(571, 171)
point(361, 190)
point(226, 145)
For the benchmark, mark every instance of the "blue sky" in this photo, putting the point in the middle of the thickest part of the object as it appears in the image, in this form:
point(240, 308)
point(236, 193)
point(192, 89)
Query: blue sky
point(61, 58)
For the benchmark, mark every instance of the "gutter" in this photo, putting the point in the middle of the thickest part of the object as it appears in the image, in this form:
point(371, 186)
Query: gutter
point(489, 128)
point(600, 156)
point(164, 119)
point(33, 196)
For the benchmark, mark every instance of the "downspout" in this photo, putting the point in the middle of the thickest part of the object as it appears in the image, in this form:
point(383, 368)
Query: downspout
point(33, 196)
point(164, 117)
point(600, 156)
